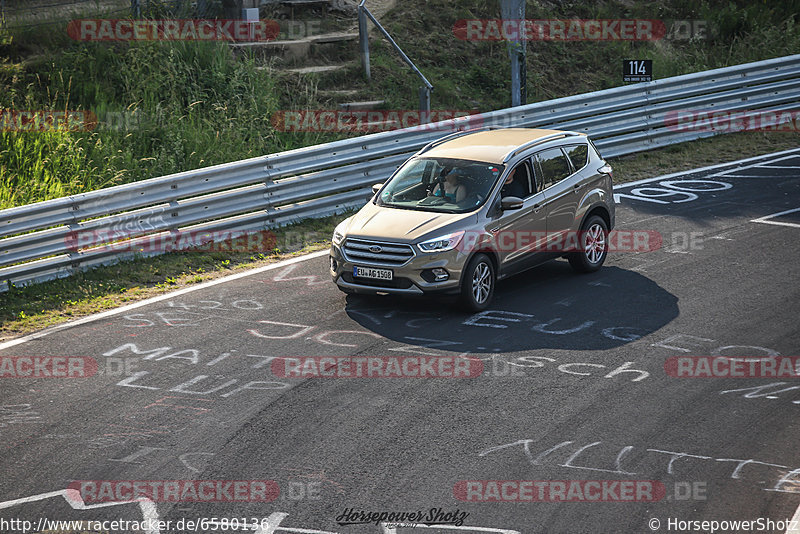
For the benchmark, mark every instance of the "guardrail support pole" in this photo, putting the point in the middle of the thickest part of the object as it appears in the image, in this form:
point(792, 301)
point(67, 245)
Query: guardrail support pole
point(363, 39)
point(425, 104)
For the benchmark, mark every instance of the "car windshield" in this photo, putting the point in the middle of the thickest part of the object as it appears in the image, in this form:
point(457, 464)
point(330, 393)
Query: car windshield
point(440, 184)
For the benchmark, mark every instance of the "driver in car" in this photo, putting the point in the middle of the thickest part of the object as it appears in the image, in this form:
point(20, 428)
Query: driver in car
point(454, 191)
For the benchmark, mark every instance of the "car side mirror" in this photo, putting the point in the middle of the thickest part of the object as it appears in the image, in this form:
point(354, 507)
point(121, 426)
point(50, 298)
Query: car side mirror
point(510, 203)
point(376, 188)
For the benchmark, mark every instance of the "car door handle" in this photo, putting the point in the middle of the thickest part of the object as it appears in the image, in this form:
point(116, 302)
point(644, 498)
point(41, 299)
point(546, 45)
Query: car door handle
point(536, 208)
point(576, 186)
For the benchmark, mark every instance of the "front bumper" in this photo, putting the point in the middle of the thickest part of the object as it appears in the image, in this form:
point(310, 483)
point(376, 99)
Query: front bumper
point(407, 279)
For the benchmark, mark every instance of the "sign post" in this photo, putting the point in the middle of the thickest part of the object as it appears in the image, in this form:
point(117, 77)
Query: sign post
point(515, 10)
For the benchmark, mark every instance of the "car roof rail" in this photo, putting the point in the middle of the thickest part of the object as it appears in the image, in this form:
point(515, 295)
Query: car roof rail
point(452, 136)
point(539, 141)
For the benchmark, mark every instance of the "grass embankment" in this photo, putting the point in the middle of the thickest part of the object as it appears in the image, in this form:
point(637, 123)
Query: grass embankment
point(475, 75)
point(179, 106)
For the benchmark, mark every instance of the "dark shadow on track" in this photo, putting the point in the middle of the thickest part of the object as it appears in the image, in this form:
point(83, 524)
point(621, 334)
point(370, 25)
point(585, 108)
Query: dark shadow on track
point(549, 307)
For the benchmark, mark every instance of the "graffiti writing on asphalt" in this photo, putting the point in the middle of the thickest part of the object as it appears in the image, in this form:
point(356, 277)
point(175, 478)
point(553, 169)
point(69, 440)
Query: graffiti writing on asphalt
point(672, 191)
point(14, 414)
point(569, 453)
point(201, 384)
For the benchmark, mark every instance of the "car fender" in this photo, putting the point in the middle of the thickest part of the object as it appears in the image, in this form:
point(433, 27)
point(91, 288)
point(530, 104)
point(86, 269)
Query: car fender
point(596, 197)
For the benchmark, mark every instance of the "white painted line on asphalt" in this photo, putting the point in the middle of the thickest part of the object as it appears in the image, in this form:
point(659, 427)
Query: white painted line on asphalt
point(794, 526)
point(763, 165)
point(794, 152)
point(76, 502)
point(762, 176)
point(166, 296)
point(765, 219)
point(779, 166)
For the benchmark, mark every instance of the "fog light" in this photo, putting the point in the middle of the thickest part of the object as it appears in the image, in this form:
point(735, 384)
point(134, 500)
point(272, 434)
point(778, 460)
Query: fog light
point(440, 275)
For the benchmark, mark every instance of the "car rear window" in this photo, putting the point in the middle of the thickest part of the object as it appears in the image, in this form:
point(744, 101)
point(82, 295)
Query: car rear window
point(554, 166)
point(578, 154)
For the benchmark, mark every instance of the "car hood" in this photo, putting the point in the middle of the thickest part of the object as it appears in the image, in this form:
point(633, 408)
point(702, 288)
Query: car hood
point(394, 224)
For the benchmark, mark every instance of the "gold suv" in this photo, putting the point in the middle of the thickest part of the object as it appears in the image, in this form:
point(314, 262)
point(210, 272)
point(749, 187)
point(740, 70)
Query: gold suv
point(475, 207)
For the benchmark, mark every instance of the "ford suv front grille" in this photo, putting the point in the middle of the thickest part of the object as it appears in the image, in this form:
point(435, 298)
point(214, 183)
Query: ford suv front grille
point(375, 252)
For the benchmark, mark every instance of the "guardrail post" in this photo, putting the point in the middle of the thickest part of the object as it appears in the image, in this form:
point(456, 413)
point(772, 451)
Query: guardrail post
point(136, 8)
point(363, 38)
point(425, 104)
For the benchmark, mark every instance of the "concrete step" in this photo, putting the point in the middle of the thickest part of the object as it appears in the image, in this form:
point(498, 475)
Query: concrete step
point(298, 49)
point(361, 106)
point(317, 69)
point(338, 93)
point(334, 37)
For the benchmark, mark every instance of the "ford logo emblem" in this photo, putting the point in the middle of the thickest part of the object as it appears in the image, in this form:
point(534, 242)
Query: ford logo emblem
point(375, 249)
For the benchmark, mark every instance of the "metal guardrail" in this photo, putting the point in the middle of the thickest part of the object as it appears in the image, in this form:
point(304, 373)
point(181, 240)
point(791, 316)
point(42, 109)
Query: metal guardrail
point(316, 181)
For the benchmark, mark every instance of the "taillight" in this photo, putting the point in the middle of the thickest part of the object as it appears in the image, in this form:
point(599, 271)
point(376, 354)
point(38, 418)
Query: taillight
point(606, 169)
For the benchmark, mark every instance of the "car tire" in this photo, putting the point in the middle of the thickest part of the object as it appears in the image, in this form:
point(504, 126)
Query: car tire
point(593, 240)
point(477, 283)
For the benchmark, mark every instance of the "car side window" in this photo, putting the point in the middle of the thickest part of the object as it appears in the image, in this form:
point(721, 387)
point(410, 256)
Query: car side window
point(518, 182)
point(578, 155)
point(554, 166)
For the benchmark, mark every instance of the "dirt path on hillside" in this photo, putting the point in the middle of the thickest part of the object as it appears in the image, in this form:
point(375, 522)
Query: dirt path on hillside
point(378, 8)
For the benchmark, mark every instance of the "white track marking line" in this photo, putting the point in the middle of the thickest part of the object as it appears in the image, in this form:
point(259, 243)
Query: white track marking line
point(794, 526)
point(767, 177)
point(166, 296)
point(764, 219)
point(792, 153)
point(779, 166)
point(76, 502)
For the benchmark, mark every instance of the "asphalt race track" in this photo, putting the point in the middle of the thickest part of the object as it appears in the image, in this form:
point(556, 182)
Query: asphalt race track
point(573, 388)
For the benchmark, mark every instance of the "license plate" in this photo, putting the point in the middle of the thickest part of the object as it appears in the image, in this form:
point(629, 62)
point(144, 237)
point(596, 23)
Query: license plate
point(370, 272)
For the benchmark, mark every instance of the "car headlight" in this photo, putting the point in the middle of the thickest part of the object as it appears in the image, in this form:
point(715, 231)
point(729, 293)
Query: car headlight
point(338, 233)
point(441, 244)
